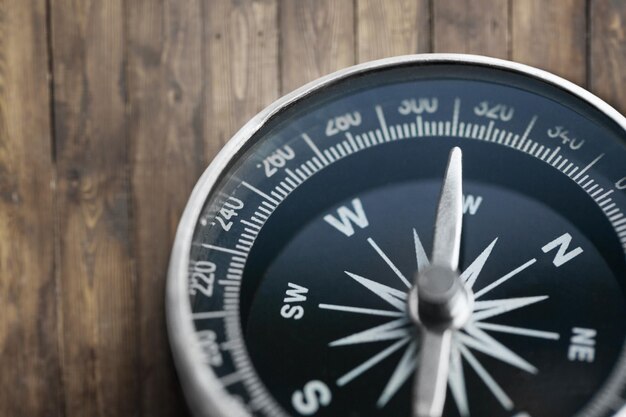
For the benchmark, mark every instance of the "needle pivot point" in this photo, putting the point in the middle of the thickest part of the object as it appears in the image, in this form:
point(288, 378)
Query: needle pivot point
point(440, 299)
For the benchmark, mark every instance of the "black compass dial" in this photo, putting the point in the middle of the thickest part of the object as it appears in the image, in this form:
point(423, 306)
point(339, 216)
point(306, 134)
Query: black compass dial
point(531, 302)
point(303, 256)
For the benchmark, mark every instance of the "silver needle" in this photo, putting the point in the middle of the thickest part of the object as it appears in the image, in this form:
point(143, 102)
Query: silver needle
point(432, 373)
point(447, 239)
point(439, 301)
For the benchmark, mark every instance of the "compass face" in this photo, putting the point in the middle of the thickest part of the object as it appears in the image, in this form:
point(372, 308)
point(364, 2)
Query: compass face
point(290, 276)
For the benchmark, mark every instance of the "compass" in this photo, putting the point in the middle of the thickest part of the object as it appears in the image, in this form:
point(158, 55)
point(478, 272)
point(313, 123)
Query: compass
point(422, 236)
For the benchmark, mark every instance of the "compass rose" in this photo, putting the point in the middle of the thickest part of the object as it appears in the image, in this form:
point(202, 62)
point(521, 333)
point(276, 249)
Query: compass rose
point(476, 335)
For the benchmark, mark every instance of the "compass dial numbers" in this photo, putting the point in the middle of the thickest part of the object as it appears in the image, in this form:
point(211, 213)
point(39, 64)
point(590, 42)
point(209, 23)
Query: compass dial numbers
point(302, 259)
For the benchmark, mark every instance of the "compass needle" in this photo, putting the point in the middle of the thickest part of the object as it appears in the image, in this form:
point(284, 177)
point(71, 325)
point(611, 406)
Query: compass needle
point(456, 381)
point(432, 374)
point(447, 239)
point(440, 302)
point(425, 236)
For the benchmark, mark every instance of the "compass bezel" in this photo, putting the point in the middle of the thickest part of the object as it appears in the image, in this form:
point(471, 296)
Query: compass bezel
point(203, 391)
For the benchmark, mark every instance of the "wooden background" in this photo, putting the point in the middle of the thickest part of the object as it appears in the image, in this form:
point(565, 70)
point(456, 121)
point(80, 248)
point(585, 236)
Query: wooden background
point(111, 109)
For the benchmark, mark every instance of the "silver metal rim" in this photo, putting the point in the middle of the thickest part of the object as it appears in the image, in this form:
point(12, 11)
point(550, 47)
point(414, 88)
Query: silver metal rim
point(204, 394)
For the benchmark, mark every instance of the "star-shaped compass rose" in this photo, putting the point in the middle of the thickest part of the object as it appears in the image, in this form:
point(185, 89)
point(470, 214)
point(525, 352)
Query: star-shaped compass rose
point(399, 332)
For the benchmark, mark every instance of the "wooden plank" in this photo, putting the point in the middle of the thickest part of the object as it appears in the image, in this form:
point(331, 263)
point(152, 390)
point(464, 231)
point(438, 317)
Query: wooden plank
point(241, 40)
point(97, 291)
point(551, 36)
point(30, 383)
point(384, 31)
point(317, 38)
point(471, 27)
point(197, 72)
point(607, 58)
point(166, 132)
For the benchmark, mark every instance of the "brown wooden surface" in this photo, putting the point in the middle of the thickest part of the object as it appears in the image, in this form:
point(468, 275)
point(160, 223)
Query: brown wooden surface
point(30, 380)
point(110, 110)
point(486, 30)
point(96, 287)
point(551, 35)
point(165, 103)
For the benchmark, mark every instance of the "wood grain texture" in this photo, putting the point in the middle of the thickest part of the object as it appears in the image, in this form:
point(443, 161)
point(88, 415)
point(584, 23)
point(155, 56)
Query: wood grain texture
point(317, 38)
point(181, 113)
point(97, 286)
point(111, 109)
point(471, 26)
point(384, 31)
point(551, 36)
point(166, 134)
point(241, 41)
point(29, 359)
point(607, 75)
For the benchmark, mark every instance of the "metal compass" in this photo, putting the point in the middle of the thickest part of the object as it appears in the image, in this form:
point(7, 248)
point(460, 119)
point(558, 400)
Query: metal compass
point(422, 236)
